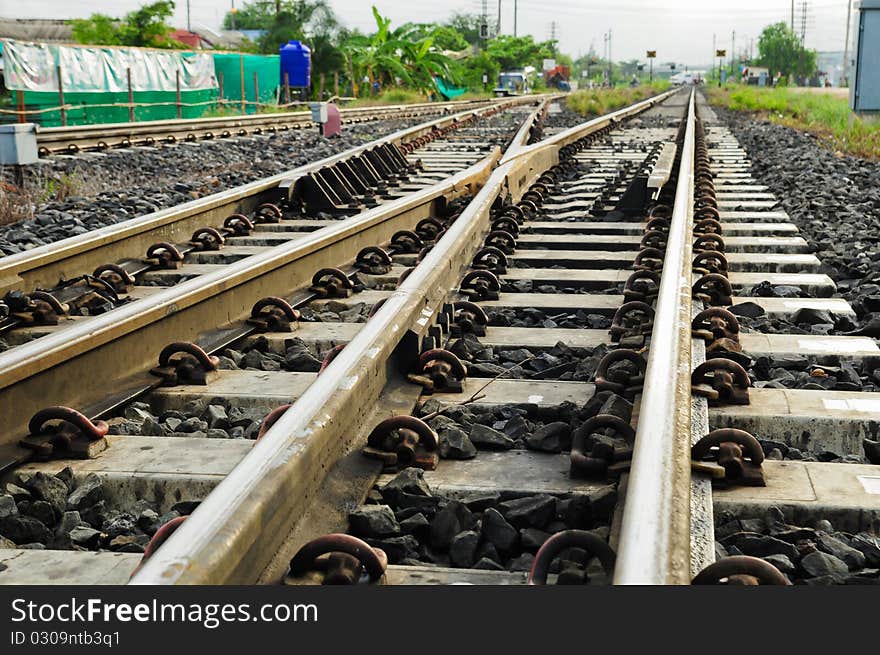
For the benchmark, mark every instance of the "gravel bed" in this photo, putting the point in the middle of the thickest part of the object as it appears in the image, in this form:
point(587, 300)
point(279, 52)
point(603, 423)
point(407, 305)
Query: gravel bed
point(835, 202)
point(817, 555)
point(463, 430)
point(214, 418)
point(482, 530)
point(43, 511)
point(101, 189)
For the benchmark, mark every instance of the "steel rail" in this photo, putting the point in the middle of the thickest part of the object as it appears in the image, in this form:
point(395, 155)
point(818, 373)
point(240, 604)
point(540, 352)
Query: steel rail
point(584, 129)
point(654, 546)
point(80, 363)
point(45, 265)
point(235, 532)
point(109, 135)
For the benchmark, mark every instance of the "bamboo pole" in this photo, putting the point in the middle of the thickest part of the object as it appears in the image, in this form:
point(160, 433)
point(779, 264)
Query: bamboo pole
point(130, 96)
point(177, 82)
point(241, 80)
point(61, 96)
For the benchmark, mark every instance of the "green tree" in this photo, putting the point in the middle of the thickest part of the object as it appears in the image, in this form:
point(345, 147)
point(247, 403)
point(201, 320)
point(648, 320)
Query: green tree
point(472, 69)
point(468, 26)
point(146, 27)
point(296, 20)
point(780, 50)
point(406, 55)
point(252, 16)
point(514, 52)
point(98, 29)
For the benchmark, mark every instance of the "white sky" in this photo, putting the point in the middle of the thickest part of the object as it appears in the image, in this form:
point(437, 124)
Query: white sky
point(680, 30)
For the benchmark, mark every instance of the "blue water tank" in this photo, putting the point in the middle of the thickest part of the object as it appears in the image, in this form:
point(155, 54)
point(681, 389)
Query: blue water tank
point(296, 61)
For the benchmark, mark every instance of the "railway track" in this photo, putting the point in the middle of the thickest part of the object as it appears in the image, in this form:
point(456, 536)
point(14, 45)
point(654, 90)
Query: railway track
point(478, 413)
point(75, 139)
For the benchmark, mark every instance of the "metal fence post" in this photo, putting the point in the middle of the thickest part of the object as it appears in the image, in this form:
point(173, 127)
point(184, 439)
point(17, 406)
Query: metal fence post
point(286, 88)
point(256, 92)
point(221, 98)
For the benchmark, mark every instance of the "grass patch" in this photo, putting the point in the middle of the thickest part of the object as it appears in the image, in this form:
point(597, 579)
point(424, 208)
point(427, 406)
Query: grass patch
point(824, 115)
point(596, 102)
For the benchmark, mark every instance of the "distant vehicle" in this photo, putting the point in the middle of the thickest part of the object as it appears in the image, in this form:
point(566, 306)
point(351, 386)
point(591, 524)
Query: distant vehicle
point(683, 79)
point(757, 76)
point(558, 77)
point(513, 83)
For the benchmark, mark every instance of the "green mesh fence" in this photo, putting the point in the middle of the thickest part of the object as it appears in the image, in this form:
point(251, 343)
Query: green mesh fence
point(228, 67)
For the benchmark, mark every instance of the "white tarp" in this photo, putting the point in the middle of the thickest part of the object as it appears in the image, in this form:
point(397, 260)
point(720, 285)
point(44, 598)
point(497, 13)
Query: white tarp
point(33, 67)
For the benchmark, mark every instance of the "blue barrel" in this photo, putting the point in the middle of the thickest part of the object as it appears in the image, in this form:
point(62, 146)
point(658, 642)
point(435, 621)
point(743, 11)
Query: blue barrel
point(296, 61)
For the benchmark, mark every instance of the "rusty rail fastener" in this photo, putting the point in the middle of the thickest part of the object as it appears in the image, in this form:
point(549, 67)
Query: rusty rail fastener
point(714, 289)
point(403, 440)
point(76, 436)
point(590, 542)
point(593, 457)
point(715, 323)
point(239, 224)
point(194, 366)
point(469, 318)
point(722, 381)
point(331, 355)
point(738, 452)
point(115, 276)
point(267, 213)
point(480, 285)
point(440, 370)
point(741, 570)
point(273, 314)
point(331, 283)
point(350, 560)
point(642, 285)
point(632, 384)
point(207, 238)
point(160, 537)
point(406, 242)
point(270, 419)
point(490, 258)
point(165, 255)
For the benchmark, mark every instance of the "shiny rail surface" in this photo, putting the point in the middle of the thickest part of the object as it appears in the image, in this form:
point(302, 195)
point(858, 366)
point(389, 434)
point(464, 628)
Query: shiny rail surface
point(655, 536)
point(73, 139)
point(236, 531)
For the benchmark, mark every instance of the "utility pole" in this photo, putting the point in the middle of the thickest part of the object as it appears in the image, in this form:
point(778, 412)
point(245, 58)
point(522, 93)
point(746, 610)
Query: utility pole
point(515, 14)
point(714, 50)
point(804, 23)
point(188, 26)
point(610, 65)
point(733, 52)
point(232, 15)
point(844, 76)
point(792, 15)
point(498, 24)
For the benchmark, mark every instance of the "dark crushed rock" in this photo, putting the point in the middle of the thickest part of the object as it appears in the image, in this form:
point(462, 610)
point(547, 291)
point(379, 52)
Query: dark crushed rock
point(54, 511)
point(834, 200)
point(121, 185)
point(806, 555)
point(481, 530)
point(214, 418)
point(464, 431)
